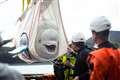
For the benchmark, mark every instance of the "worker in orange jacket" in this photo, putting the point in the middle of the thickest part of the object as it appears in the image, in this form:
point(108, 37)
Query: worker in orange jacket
point(105, 61)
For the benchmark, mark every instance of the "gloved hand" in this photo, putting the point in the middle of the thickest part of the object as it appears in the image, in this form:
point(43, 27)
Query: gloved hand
point(57, 62)
point(67, 62)
point(76, 78)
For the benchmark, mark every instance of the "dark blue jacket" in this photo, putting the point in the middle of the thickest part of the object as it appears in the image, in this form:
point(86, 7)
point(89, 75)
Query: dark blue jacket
point(81, 66)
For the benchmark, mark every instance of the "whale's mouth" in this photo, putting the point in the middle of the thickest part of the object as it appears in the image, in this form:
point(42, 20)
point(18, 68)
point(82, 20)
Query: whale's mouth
point(50, 48)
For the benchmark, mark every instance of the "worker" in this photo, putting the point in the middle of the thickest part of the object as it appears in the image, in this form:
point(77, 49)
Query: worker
point(81, 50)
point(105, 61)
point(62, 69)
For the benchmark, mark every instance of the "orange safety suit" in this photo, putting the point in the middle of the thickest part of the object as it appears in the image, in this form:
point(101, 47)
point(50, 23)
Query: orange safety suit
point(106, 64)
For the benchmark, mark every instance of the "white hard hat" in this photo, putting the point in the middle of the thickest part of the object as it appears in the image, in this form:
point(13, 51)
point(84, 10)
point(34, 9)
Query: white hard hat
point(100, 24)
point(78, 37)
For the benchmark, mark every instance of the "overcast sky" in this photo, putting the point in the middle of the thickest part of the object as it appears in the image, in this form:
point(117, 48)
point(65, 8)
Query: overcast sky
point(9, 13)
point(76, 15)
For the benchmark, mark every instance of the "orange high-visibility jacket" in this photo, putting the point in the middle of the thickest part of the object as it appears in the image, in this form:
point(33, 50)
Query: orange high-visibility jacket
point(106, 64)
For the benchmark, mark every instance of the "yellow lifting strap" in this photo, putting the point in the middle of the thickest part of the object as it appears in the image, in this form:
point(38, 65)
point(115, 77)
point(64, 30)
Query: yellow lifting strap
point(28, 2)
point(23, 4)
